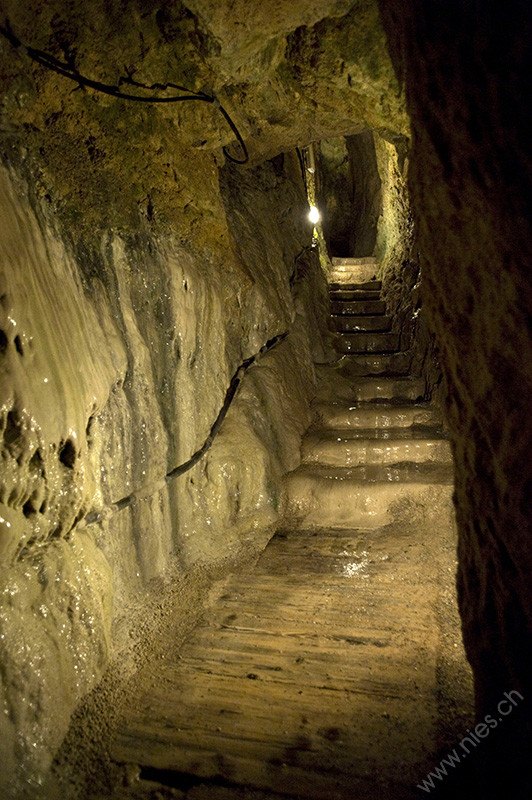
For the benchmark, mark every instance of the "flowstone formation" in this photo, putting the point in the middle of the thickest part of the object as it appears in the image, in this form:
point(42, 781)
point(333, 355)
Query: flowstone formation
point(140, 268)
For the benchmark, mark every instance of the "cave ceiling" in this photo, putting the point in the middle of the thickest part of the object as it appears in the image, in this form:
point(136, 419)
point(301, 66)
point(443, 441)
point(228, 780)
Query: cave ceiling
point(287, 74)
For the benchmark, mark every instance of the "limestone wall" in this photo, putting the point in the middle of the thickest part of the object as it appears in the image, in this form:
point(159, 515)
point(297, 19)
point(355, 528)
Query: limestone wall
point(115, 363)
point(397, 249)
point(349, 194)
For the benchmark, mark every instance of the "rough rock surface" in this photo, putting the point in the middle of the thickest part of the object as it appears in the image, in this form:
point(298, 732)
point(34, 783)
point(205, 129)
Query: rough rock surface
point(466, 68)
point(398, 250)
point(141, 270)
point(286, 75)
point(349, 194)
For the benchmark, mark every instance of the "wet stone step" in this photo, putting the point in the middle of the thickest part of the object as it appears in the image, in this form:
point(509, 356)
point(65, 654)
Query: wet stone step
point(341, 261)
point(372, 416)
point(368, 343)
point(354, 274)
point(371, 286)
point(354, 323)
point(366, 496)
point(334, 448)
point(350, 295)
point(366, 364)
point(367, 307)
point(388, 388)
point(377, 473)
point(353, 270)
point(410, 433)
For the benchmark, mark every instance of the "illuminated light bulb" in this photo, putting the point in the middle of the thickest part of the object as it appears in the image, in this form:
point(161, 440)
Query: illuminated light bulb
point(314, 215)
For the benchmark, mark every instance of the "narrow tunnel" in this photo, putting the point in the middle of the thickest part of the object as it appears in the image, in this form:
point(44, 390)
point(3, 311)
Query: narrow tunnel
point(265, 488)
point(350, 195)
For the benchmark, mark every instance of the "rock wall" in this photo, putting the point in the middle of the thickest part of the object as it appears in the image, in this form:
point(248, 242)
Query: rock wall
point(466, 69)
point(349, 194)
point(334, 195)
point(115, 362)
point(138, 271)
point(367, 193)
point(397, 249)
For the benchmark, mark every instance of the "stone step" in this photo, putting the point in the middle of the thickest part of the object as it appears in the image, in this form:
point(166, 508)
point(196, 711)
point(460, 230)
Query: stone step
point(341, 261)
point(388, 388)
point(352, 275)
point(372, 286)
point(413, 432)
point(353, 270)
point(396, 389)
point(352, 324)
point(365, 364)
point(366, 496)
point(344, 416)
point(365, 307)
point(341, 448)
point(350, 295)
point(368, 343)
point(352, 260)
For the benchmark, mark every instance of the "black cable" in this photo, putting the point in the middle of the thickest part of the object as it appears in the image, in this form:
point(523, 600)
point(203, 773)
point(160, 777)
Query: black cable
point(302, 167)
point(229, 396)
point(61, 68)
point(238, 136)
point(125, 502)
point(294, 276)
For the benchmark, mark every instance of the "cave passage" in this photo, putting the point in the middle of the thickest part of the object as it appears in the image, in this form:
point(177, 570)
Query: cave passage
point(329, 665)
point(228, 506)
point(349, 194)
point(327, 670)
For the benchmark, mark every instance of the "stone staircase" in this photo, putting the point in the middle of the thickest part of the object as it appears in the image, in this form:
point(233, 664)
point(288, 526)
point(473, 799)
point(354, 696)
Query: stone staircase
point(377, 452)
point(360, 316)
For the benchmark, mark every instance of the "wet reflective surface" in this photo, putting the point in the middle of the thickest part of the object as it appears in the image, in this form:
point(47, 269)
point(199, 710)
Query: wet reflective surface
point(318, 675)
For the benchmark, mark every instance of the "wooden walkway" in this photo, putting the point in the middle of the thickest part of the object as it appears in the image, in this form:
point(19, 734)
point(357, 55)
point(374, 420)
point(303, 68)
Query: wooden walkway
point(315, 676)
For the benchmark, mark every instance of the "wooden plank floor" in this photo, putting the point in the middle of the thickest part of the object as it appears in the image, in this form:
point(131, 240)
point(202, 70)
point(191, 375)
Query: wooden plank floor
point(317, 675)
